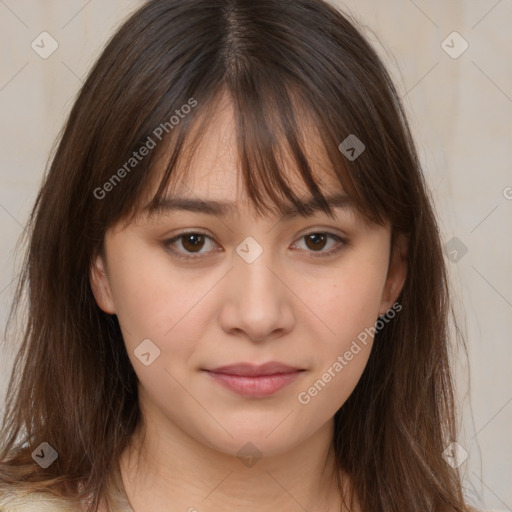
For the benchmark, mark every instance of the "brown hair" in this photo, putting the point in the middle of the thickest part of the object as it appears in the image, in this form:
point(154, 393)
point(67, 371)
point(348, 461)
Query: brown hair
point(73, 385)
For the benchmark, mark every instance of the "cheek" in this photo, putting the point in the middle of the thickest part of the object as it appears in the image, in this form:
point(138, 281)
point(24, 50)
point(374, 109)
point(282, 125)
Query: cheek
point(148, 297)
point(141, 297)
point(342, 356)
point(350, 309)
point(351, 303)
point(158, 302)
point(330, 388)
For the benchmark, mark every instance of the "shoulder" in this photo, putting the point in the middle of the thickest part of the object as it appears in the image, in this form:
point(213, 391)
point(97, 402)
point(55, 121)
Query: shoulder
point(15, 500)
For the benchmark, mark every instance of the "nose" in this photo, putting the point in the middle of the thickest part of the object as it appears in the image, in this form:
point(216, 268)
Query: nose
point(258, 303)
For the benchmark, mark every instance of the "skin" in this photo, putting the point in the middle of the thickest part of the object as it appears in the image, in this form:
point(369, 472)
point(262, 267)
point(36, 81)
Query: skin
point(287, 306)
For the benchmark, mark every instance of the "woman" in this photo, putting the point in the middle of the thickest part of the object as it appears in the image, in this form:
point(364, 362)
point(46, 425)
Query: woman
point(196, 341)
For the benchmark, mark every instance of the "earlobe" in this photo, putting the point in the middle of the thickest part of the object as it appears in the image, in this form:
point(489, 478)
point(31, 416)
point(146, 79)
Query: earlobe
point(397, 272)
point(100, 285)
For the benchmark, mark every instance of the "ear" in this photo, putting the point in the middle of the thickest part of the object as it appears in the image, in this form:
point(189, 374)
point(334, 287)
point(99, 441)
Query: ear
point(397, 272)
point(100, 285)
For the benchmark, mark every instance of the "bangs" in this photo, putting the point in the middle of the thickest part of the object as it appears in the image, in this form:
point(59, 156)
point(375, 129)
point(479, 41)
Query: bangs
point(294, 95)
point(277, 131)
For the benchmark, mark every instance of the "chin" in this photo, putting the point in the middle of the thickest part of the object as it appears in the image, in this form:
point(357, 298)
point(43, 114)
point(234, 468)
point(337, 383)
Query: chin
point(253, 444)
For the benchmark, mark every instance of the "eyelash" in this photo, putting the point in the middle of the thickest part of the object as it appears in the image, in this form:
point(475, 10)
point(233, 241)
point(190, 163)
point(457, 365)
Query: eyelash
point(341, 241)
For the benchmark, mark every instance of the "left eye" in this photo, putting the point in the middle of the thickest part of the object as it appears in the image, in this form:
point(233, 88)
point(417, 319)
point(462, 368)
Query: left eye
point(318, 241)
point(194, 241)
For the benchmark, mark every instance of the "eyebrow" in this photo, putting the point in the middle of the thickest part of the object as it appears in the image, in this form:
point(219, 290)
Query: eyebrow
point(223, 208)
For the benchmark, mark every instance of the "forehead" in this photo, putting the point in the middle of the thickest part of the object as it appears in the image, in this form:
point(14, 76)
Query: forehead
point(211, 168)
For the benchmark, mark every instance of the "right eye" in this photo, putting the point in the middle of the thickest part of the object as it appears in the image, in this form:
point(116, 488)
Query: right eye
point(192, 242)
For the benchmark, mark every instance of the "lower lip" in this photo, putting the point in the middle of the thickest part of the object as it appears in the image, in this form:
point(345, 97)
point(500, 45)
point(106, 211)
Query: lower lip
point(257, 387)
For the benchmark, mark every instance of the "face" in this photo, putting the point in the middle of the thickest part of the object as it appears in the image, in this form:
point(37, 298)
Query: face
point(240, 288)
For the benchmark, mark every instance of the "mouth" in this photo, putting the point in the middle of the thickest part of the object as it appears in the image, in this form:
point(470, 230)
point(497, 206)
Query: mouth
point(255, 381)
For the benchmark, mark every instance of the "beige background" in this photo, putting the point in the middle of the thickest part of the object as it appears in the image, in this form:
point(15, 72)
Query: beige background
point(460, 111)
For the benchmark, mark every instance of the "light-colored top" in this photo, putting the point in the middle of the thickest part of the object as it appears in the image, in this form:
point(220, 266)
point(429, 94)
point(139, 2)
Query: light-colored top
point(17, 501)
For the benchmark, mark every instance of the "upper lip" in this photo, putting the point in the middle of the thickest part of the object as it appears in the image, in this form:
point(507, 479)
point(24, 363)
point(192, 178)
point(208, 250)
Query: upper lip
point(253, 370)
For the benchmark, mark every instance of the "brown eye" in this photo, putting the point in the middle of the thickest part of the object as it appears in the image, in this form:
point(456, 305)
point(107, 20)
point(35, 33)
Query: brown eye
point(192, 242)
point(317, 241)
point(191, 246)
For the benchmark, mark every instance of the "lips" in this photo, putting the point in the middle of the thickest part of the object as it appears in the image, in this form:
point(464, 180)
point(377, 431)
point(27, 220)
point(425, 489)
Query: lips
point(252, 370)
point(256, 381)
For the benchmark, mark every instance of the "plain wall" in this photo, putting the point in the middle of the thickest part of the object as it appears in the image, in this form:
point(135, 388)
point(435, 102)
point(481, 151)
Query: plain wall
point(459, 109)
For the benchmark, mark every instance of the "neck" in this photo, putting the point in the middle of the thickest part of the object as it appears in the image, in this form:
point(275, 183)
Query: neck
point(168, 470)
